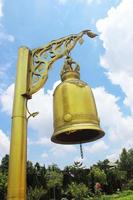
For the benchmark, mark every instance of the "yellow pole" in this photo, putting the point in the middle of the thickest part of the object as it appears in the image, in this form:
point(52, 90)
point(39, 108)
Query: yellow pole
point(18, 146)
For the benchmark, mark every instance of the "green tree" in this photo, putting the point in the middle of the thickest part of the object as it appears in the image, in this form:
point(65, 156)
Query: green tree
point(115, 179)
point(4, 164)
point(126, 162)
point(35, 175)
point(78, 191)
point(30, 175)
point(3, 176)
point(130, 169)
point(96, 175)
point(3, 185)
point(129, 185)
point(76, 173)
point(36, 193)
point(54, 179)
point(103, 165)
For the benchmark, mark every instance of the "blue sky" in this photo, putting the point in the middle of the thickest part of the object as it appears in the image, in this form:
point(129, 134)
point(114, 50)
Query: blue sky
point(106, 65)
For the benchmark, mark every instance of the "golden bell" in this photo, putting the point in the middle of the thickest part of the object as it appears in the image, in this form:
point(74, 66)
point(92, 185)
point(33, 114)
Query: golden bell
point(75, 114)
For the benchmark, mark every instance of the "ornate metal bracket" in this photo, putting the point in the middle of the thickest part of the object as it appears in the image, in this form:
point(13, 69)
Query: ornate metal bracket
point(42, 58)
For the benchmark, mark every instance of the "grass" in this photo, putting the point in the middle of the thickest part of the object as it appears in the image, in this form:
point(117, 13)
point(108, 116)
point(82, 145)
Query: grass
point(126, 195)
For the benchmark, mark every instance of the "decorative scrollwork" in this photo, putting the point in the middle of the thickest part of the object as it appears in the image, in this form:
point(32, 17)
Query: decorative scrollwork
point(42, 58)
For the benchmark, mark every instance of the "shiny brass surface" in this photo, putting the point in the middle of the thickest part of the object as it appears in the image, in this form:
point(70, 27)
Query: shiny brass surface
point(75, 114)
point(18, 144)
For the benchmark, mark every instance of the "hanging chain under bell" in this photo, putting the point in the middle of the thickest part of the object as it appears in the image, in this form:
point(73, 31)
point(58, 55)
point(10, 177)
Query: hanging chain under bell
point(81, 151)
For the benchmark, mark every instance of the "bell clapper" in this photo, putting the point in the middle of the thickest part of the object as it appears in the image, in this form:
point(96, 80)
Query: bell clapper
point(81, 151)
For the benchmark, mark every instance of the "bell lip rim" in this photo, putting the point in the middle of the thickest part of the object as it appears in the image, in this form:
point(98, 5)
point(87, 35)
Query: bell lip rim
point(100, 135)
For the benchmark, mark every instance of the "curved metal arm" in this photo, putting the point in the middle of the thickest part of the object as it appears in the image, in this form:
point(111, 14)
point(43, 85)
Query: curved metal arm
point(42, 58)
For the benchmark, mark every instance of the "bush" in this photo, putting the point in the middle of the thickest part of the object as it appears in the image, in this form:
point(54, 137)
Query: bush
point(129, 185)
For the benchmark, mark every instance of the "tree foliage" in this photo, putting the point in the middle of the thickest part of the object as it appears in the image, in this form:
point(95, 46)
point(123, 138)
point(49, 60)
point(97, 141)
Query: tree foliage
point(75, 181)
point(3, 185)
point(126, 162)
point(98, 175)
point(54, 180)
point(4, 164)
point(36, 193)
point(78, 191)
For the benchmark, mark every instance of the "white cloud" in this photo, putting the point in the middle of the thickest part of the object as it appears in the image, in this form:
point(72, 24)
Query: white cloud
point(4, 144)
point(98, 2)
point(129, 144)
point(6, 99)
point(1, 7)
point(117, 126)
point(114, 156)
point(40, 141)
point(44, 155)
point(117, 35)
point(4, 36)
point(42, 102)
point(61, 150)
point(98, 146)
point(88, 2)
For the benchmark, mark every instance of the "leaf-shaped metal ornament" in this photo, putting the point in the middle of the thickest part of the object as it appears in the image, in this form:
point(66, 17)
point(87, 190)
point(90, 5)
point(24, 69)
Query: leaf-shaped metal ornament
point(81, 41)
point(91, 34)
